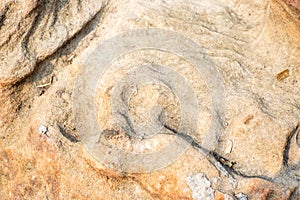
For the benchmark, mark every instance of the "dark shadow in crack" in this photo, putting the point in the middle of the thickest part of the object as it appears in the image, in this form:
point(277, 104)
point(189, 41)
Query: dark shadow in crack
point(289, 176)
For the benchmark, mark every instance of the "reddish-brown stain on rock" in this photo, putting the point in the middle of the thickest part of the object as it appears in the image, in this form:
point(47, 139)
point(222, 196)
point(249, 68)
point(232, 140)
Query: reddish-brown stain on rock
point(264, 190)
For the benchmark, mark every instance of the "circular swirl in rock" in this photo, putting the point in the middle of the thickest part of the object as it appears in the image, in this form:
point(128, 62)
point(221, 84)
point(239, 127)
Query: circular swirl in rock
point(113, 147)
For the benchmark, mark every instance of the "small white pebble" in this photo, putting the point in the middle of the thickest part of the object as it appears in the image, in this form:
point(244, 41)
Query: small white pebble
point(142, 136)
point(43, 129)
point(226, 124)
point(229, 145)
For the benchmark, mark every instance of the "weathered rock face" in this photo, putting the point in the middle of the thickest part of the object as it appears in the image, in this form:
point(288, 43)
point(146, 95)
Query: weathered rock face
point(250, 48)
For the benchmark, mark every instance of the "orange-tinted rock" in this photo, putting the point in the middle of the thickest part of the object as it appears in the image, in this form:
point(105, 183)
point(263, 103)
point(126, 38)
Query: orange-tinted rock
point(43, 45)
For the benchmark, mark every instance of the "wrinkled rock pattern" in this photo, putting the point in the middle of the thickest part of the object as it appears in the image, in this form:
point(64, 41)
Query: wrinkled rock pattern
point(43, 45)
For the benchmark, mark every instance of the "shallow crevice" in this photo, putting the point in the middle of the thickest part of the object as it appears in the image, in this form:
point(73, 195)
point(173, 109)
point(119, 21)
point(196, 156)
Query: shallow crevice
point(230, 169)
point(67, 135)
point(295, 194)
point(285, 157)
point(220, 159)
point(3, 14)
point(38, 12)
